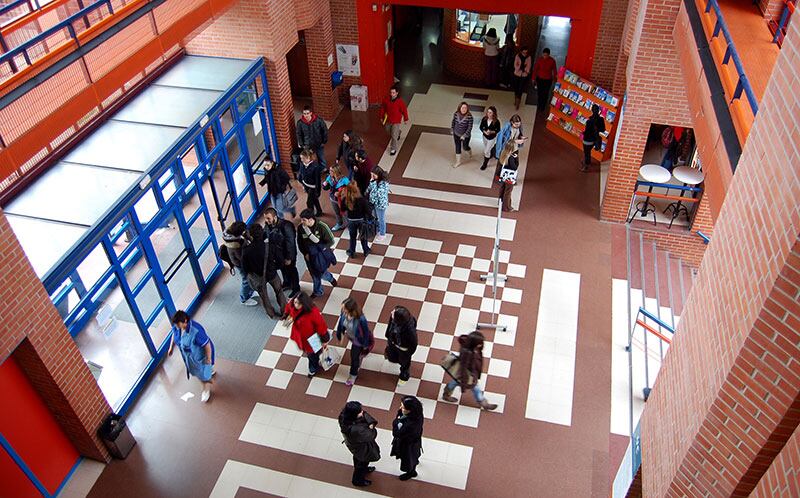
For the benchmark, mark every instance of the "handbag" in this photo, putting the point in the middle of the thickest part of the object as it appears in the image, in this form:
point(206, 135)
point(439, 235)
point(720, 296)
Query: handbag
point(329, 357)
point(451, 364)
point(289, 198)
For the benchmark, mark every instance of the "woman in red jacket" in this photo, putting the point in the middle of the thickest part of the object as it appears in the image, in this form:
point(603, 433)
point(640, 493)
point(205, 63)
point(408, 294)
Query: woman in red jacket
point(306, 321)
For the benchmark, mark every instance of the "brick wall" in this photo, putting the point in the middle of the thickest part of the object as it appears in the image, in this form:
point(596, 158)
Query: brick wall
point(344, 22)
point(782, 480)
point(32, 330)
point(319, 42)
point(653, 58)
point(732, 376)
point(772, 9)
point(609, 42)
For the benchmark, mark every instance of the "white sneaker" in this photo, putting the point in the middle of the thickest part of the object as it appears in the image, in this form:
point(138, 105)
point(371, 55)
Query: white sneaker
point(205, 396)
point(250, 302)
point(380, 238)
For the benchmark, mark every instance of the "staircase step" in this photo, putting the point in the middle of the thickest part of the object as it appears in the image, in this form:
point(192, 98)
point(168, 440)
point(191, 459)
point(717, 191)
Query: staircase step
point(634, 259)
point(677, 286)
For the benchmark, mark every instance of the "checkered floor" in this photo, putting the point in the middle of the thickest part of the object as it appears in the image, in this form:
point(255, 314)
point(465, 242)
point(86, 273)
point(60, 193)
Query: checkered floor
point(439, 282)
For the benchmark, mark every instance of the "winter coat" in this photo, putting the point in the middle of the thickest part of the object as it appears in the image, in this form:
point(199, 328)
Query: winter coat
point(363, 335)
point(320, 258)
point(461, 125)
point(311, 175)
point(489, 130)
point(335, 190)
point(361, 209)
point(285, 233)
point(470, 365)
point(346, 155)
point(401, 339)
point(491, 46)
point(407, 438)
point(312, 134)
point(235, 245)
point(360, 438)
point(505, 135)
point(276, 180)
point(378, 194)
point(319, 230)
point(595, 125)
point(305, 325)
point(395, 110)
point(363, 173)
point(253, 258)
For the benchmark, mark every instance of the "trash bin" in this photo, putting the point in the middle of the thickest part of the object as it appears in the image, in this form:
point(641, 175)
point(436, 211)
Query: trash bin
point(117, 436)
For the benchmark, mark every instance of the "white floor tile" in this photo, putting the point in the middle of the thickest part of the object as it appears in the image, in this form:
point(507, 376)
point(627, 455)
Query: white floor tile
point(490, 305)
point(468, 415)
point(385, 275)
point(291, 349)
point(512, 295)
point(373, 306)
point(429, 316)
point(281, 330)
point(488, 348)
point(363, 284)
point(268, 359)
point(424, 244)
point(464, 224)
point(446, 259)
point(443, 195)
point(479, 264)
point(466, 250)
point(428, 407)
point(515, 270)
point(279, 379)
point(453, 299)
point(459, 274)
point(476, 289)
point(368, 396)
point(319, 387)
point(394, 252)
point(351, 269)
point(373, 260)
point(410, 388)
point(497, 399)
point(438, 283)
point(442, 341)
point(504, 256)
point(432, 373)
point(432, 161)
point(421, 354)
point(499, 368)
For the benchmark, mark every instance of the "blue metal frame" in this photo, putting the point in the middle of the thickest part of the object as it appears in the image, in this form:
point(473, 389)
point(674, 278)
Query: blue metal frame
point(657, 320)
point(703, 236)
point(33, 5)
point(6, 445)
point(167, 173)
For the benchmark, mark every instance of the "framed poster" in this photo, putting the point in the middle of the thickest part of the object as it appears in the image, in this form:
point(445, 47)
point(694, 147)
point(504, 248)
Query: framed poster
point(347, 59)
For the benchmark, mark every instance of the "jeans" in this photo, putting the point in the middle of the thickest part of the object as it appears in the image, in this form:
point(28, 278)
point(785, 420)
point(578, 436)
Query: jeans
point(542, 92)
point(280, 208)
point(476, 391)
point(381, 214)
point(355, 359)
point(461, 142)
point(394, 133)
point(587, 153)
point(337, 212)
point(313, 362)
point(317, 280)
point(245, 291)
point(354, 226)
point(321, 156)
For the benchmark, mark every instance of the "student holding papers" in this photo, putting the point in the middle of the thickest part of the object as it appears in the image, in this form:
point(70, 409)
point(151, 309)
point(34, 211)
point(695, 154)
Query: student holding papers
point(309, 330)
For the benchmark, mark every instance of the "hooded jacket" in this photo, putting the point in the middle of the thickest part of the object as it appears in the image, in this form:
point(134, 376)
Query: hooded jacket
point(470, 360)
point(491, 46)
point(235, 245)
point(313, 133)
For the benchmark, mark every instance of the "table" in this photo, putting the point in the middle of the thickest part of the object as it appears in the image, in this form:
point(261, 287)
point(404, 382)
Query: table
point(689, 177)
point(653, 173)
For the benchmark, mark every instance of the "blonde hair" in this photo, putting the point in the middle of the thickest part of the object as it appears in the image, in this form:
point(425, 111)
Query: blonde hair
point(335, 171)
point(308, 154)
point(509, 148)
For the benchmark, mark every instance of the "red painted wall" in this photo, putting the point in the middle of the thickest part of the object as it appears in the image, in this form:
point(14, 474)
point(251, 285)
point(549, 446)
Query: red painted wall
point(34, 434)
point(377, 68)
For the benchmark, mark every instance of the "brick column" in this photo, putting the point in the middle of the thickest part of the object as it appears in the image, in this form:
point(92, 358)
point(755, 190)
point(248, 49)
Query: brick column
point(727, 398)
point(280, 94)
point(33, 332)
point(319, 41)
point(653, 58)
point(609, 42)
point(772, 9)
point(782, 480)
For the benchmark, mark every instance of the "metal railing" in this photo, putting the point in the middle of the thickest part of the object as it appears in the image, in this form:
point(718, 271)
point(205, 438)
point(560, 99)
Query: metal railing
point(706, 238)
point(648, 329)
point(781, 26)
point(649, 194)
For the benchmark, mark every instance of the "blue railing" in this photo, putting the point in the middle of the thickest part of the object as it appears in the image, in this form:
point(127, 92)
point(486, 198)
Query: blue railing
point(32, 5)
point(706, 238)
point(658, 321)
point(780, 28)
point(730, 53)
point(10, 56)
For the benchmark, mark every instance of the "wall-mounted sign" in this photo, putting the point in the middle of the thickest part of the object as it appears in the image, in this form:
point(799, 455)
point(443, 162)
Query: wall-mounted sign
point(348, 60)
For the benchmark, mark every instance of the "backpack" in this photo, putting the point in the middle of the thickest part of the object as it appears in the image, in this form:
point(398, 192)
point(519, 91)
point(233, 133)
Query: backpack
point(225, 256)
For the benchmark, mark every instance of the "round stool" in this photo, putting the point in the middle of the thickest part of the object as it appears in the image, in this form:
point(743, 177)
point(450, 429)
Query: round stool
point(689, 177)
point(652, 173)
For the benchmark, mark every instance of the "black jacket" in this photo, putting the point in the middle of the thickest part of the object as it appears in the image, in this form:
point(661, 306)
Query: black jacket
point(361, 209)
point(285, 234)
point(276, 181)
point(403, 336)
point(490, 131)
point(311, 176)
point(253, 258)
point(312, 135)
point(360, 438)
point(595, 125)
point(407, 438)
point(346, 157)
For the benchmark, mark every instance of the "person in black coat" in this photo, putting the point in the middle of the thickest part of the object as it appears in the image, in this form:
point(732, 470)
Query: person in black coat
point(407, 436)
point(277, 181)
point(401, 338)
point(261, 260)
point(358, 211)
point(284, 232)
point(312, 133)
point(311, 177)
point(345, 155)
point(358, 430)
point(592, 139)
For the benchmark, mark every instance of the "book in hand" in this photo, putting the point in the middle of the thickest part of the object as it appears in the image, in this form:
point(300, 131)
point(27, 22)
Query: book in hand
point(315, 342)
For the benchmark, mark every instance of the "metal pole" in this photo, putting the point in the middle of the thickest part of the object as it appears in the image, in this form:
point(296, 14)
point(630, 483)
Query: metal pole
point(495, 276)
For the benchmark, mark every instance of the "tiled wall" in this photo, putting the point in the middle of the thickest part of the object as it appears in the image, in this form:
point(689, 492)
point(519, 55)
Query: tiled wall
point(32, 330)
point(732, 377)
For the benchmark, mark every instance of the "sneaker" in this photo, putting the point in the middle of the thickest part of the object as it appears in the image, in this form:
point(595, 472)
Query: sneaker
point(205, 396)
point(312, 374)
point(337, 227)
point(370, 469)
point(350, 380)
point(401, 382)
point(315, 294)
point(334, 283)
point(350, 254)
point(379, 238)
point(365, 482)
point(392, 152)
point(250, 302)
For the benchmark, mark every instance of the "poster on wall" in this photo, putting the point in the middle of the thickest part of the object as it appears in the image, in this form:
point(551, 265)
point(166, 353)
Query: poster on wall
point(347, 59)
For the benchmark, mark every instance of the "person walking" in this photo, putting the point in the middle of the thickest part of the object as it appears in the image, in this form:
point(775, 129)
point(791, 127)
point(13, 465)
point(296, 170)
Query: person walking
point(310, 176)
point(544, 73)
point(261, 260)
point(197, 350)
point(354, 325)
point(362, 171)
point(461, 126)
point(234, 240)
point(315, 239)
point(511, 131)
point(312, 134)
point(522, 72)
point(595, 125)
point(393, 112)
point(401, 340)
point(335, 184)
point(378, 195)
point(470, 361)
point(306, 321)
point(490, 127)
point(345, 154)
point(407, 436)
point(357, 209)
point(277, 181)
point(284, 231)
point(509, 165)
point(358, 430)
point(491, 50)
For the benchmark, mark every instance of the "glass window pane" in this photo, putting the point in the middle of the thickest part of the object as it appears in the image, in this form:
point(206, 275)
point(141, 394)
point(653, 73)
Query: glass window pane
point(93, 267)
point(183, 286)
point(148, 299)
point(234, 151)
point(246, 99)
point(146, 207)
point(246, 205)
point(159, 330)
point(189, 161)
point(208, 261)
point(226, 121)
point(167, 183)
point(113, 342)
point(240, 179)
point(255, 142)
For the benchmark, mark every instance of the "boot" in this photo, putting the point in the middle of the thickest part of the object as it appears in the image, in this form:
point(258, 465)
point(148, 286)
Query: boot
point(485, 163)
point(487, 406)
point(447, 395)
point(458, 161)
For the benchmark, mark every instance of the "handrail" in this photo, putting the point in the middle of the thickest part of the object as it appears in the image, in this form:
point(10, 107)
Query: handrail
point(788, 10)
point(656, 319)
point(706, 238)
point(629, 348)
point(669, 186)
point(731, 53)
point(18, 3)
point(654, 332)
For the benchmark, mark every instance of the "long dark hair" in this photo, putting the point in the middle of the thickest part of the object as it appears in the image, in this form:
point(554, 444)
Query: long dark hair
point(474, 341)
point(380, 173)
point(352, 307)
point(401, 315)
point(306, 304)
point(414, 407)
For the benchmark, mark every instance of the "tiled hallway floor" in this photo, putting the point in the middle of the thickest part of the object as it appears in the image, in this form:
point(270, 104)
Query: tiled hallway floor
point(271, 431)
